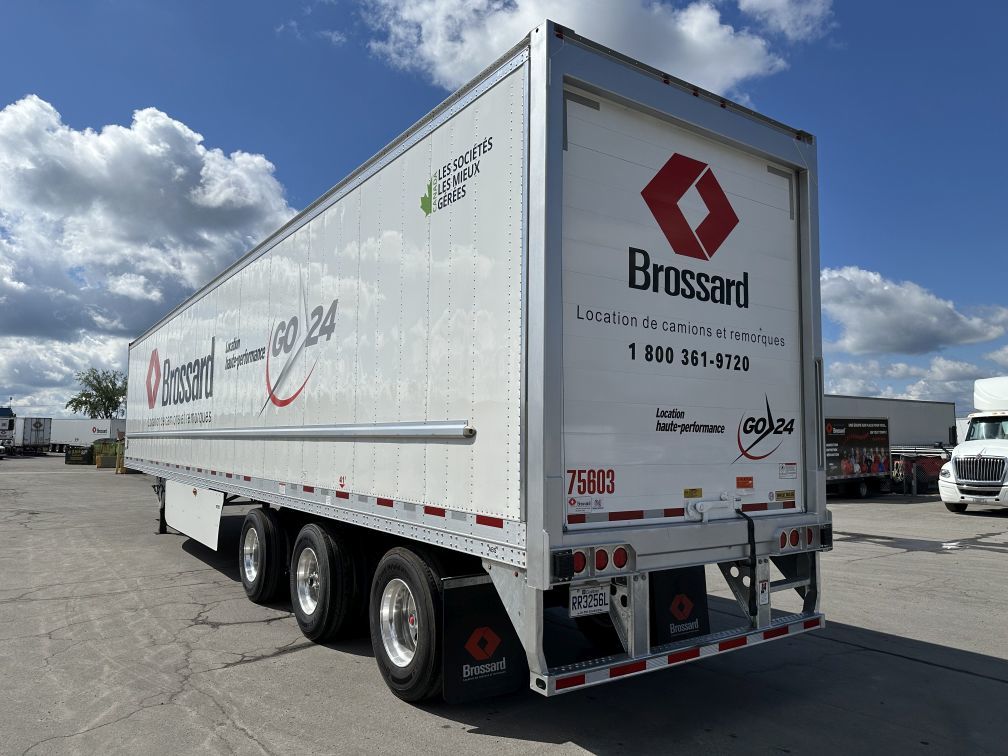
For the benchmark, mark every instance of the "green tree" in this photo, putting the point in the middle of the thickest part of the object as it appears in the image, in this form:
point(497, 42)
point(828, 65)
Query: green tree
point(102, 393)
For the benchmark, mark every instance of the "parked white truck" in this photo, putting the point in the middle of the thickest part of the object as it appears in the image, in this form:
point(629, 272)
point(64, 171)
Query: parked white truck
point(6, 431)
point(976, 473)
point(553, 351)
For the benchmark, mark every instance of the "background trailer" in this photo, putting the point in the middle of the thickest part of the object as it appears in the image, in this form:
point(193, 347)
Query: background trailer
point(31, 435)
point(911, 422)
point(920, 435)
point(73, 431)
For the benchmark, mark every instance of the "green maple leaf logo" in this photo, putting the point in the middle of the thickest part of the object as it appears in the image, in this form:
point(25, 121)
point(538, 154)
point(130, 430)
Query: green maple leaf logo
point(425, 201)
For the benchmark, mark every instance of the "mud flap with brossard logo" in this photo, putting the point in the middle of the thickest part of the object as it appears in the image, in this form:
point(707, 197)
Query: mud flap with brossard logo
point(678, 605)
point(481, 653)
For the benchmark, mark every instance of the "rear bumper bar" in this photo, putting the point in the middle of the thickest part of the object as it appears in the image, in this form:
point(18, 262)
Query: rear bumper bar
point(576, 677)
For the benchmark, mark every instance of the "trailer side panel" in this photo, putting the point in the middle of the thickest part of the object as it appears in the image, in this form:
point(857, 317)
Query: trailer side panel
point(376, 351)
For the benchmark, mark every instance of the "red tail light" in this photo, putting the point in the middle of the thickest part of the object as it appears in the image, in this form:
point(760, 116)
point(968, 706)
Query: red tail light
point(620, 558)
point(795, 538)
point(601, 559)
point(580, 562)
point(783, 541)
point(809, 536)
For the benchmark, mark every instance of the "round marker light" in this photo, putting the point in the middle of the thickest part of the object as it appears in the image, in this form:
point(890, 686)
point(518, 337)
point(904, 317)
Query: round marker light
point(809, 536)
point(620, 558)
point(601, 559)
point(795, 537)
point(580, 562)
point(783, 540)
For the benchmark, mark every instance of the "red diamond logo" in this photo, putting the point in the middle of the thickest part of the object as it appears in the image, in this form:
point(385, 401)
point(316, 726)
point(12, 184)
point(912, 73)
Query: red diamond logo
point(681, 607)
point(482, 643)
point(666, 189)
point(153, 379)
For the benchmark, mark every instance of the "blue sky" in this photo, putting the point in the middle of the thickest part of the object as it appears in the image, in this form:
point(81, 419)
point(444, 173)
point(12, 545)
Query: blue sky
point(99, 234)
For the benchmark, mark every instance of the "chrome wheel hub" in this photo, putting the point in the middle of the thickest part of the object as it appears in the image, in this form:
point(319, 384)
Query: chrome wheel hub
point(400, 624)
point(251, 555)
point(308, 581)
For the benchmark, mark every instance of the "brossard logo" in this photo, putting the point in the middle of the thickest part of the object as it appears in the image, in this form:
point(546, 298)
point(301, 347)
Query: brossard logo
point(681, 608)
point(757, 434)
point(187, 382)
point(662, 196)
point(481, 646)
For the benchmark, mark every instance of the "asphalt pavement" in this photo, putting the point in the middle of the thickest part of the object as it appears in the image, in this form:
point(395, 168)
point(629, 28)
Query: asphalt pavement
point(116, 639)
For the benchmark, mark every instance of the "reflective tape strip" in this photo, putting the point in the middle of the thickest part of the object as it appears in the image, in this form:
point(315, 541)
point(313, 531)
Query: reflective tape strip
point(728, 645)
point(667, 513)
point(627, 669)
point(630, 515)
point(510, 533)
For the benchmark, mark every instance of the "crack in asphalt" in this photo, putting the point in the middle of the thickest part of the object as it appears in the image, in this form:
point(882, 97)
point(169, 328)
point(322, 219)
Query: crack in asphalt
point(90, 621)
point(184, 676)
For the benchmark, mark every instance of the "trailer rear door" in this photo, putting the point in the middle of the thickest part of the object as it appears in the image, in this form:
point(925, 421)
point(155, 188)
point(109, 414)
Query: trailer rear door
point(681, 346)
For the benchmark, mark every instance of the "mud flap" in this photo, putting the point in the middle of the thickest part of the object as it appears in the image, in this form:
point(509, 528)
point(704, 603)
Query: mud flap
point(481, 654)
point(678, 605)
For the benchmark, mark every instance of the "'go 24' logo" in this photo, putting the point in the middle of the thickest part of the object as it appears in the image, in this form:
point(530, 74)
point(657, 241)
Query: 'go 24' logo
point(287, 343)
point(757, 434)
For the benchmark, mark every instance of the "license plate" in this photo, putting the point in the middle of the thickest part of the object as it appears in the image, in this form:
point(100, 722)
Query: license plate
point(591, 599)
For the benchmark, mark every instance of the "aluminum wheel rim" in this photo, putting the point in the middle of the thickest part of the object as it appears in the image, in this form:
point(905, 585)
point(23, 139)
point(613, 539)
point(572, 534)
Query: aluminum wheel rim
point(308, 581)
point(400, 624)
point(251, 555)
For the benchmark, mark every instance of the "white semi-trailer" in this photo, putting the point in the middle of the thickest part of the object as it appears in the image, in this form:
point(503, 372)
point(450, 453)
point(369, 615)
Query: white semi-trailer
point(552, 352)
point(31, 435)
point(72, 431)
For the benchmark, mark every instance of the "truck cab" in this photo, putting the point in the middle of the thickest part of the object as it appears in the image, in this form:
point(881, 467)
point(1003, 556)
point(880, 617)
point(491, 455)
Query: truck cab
point(976, 472)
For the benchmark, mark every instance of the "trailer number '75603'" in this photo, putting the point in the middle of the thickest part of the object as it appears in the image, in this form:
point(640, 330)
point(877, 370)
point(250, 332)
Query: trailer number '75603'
point(591, 482)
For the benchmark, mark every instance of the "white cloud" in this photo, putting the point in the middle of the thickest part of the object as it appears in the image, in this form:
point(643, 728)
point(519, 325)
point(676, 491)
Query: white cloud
point(290, 27)
point(39, 373)
point(133, 286)
point(941, 380)
point(452, 40)
point(798, 20)
point(1000, 356)
point(857, 379)
point(947, 381)
point(100, 231)
point(879, 316)
point(332, 36)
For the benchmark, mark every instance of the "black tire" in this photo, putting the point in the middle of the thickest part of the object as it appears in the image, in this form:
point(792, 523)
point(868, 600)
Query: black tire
point(269, 565)
point(956, 506)
point(861, 488)
point(339, 592)
point(420, 678)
